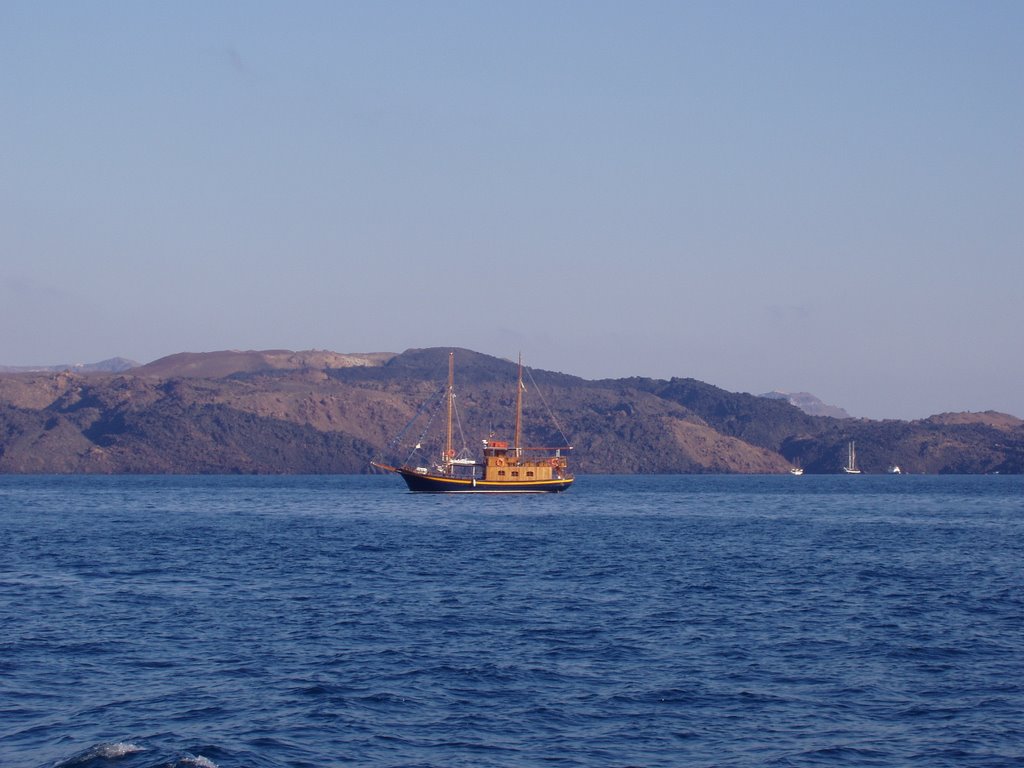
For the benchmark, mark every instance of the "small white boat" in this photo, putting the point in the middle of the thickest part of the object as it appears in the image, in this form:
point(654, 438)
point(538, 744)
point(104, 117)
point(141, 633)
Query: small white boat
point(895, 470)
point(851, 460)
point(795, 471)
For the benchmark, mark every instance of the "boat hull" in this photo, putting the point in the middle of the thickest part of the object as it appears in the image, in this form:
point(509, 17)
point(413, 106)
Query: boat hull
point(425, 483)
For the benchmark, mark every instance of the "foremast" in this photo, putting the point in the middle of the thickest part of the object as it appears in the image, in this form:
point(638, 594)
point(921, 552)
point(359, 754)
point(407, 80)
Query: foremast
point(851, 459)
point(517, 443)
point(449, 452)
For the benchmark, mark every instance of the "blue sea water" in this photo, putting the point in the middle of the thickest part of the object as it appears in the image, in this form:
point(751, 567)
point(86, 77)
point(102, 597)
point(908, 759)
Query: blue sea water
point(632, 621)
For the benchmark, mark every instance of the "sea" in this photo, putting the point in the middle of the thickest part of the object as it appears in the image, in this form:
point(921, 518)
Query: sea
point(262, 622)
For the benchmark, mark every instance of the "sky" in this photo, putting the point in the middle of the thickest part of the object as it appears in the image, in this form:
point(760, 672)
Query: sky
point(771, 195)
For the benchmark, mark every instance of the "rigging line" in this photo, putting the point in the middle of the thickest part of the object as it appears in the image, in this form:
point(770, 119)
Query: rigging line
point(419, 441)
point(393, 443)
point(550, 412)
point(458, 422)
point(426, 427)
point(391, 448)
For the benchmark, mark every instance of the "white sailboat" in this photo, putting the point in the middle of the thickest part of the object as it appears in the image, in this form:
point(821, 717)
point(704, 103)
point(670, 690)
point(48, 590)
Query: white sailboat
point(851, 460)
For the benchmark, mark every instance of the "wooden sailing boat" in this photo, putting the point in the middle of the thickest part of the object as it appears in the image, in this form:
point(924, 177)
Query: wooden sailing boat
point(505, 467)
point(851, 460)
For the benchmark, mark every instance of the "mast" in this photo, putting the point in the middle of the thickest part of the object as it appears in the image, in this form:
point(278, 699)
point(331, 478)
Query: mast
point(851, 458)
point(448, 453)
point(516, 443)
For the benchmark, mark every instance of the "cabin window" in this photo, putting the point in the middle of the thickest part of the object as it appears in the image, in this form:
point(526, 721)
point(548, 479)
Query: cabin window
point(501, 473)
point(529, 473)
point(515, 474)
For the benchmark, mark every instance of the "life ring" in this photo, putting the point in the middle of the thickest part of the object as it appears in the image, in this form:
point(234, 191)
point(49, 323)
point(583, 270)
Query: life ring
point(499, 462)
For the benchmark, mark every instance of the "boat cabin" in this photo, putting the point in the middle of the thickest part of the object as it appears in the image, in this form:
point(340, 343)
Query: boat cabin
point(503, 463)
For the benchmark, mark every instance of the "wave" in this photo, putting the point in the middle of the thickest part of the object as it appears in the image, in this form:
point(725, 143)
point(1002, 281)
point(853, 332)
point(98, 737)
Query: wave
point(129, 754)
point(100, 752)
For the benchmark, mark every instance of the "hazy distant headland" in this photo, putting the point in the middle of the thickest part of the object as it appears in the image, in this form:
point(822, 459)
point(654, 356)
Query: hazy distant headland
point(315, 411)
point(113, 365)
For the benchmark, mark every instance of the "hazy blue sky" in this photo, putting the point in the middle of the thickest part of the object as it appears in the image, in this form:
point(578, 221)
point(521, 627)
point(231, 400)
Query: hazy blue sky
point(820, 196)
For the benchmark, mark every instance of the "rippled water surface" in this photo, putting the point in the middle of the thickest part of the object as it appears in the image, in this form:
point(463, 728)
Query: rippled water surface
point(644, 621)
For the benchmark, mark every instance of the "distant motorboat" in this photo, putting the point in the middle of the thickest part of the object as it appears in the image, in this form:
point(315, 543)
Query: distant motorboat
point(795, 471)
point(895, 470)
point(851, 460)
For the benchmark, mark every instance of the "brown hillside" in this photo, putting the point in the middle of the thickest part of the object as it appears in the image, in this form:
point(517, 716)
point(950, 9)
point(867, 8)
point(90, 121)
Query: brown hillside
point(987, 418)
point(715, 452)
point(34, 391)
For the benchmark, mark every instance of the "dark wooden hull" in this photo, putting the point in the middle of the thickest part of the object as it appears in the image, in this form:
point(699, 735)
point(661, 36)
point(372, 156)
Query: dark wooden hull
point(426, 483)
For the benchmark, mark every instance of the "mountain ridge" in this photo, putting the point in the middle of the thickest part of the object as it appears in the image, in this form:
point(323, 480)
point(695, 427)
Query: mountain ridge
point(278, 411)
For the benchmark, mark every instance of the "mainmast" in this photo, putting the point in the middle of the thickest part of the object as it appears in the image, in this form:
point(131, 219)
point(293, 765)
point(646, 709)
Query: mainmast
point(448, 452)
point(516, 442)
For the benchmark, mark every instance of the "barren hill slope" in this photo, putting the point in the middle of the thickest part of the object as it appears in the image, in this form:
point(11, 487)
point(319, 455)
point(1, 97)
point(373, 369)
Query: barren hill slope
point(217, 365)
